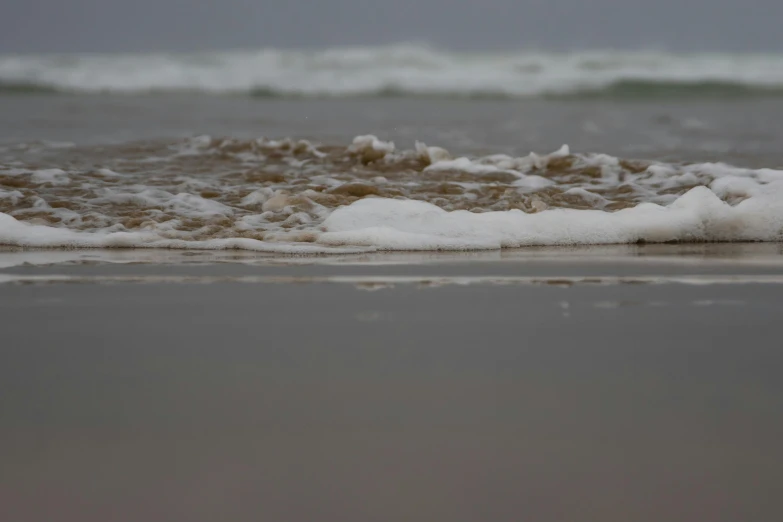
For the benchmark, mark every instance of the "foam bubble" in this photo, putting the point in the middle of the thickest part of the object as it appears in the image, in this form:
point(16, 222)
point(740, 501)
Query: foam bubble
point(369, 148)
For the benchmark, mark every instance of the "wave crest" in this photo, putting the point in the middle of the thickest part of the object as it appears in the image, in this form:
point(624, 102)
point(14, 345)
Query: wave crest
point(397, 71)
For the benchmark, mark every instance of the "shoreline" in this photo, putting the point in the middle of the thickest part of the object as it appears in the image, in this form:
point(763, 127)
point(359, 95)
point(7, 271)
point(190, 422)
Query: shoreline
point(745, 253)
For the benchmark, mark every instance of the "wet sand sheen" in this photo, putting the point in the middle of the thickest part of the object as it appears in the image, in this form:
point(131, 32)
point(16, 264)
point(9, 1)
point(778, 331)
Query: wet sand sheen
point(328, 402)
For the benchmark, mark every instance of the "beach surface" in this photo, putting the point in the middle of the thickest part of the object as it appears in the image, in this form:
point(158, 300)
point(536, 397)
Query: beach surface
point(224, 293)
point(614, 383)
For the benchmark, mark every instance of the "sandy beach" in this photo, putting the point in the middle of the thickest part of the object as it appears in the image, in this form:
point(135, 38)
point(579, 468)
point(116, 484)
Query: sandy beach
point(409, 261)
point(429, 388)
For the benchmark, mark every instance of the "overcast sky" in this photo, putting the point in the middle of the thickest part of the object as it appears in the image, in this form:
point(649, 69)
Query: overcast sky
point(192, 25)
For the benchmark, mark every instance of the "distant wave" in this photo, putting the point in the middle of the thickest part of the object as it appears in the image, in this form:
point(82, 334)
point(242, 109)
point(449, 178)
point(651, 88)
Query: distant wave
point(11, 87)
point(652, 89)
point(619, 90)
point(400, 71)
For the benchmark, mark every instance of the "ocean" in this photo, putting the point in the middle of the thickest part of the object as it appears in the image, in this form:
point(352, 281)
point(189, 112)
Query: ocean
point(389, 148)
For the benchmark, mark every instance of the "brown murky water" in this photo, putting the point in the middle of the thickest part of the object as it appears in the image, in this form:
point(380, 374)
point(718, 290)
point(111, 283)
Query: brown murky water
point(281, 190)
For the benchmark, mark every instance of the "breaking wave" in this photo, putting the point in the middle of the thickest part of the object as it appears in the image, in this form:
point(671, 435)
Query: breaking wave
point(401, 70)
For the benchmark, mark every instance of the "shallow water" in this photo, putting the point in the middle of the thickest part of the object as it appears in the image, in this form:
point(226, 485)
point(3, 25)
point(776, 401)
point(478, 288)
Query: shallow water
point(199, 171)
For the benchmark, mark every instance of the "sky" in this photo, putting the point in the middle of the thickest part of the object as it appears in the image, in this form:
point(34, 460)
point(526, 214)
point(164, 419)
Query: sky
point(31, 26)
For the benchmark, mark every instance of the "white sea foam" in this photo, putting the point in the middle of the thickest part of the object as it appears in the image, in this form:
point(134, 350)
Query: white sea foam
point(387, 70)
point(15, 233)
point(699, 215)
point(53, 176)
point(293, 197)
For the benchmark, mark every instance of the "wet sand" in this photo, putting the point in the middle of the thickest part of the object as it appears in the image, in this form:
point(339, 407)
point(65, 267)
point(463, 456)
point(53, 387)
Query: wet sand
point(466, 400)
